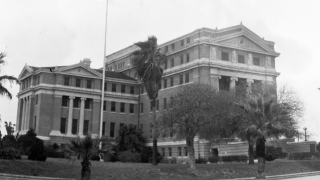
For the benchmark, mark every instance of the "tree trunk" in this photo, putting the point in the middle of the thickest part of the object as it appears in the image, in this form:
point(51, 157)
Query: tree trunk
point(85, 171)
point(154, 135)
point(260, 149)
point(251, 155)
point(191, 153)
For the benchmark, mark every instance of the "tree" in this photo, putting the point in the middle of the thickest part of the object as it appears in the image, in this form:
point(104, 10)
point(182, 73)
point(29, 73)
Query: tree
point(86, 148)
point(9, 128)
point(148, 60)
point(264, 118)
point(130, 138)
point(4, 91)
point(192, 109)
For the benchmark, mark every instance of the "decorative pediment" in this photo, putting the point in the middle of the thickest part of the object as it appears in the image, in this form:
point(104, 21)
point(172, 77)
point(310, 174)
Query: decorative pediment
point(80, 71)
point(243, 42)
point(26, 71)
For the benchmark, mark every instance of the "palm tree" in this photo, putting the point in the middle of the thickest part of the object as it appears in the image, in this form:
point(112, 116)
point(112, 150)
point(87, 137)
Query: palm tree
point(263, 119)
point(4, 91)
point(148, 60)
point(131, 139)
point(85, 147)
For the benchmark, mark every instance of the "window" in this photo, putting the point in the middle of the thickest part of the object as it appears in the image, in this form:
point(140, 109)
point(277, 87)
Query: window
point(165, 65)
point(63, 125)
point(85, 127)
point(181, 59)
point(112, 127)
point(131, 109)
point(103, 128)
point(89, 84)
point(141, 107)
point(166, 49)
point(131, 89)
point(169, 149)
point(151, 105)
point(122, 107)
point(87, 103)
point(172, 62)
point(163, 152)
point(157, 104)
point(104, 105)
point(181, 79)
point(150, 131)
point(113, 106)
point(35, 123)
point(65, 100)
point(188, 40)
point(123, 88)
point(225, 56)
point(114, 88)
point(164, 103)
point(172, 47)
point(66, 81)
point(179, 151)
point(38, 80)
point(171, 81)
point(78, 82)
point(142, 89)
point(185, 151)
point(76, 102)
point(121, 126)
point(37, 99)
point(105, 86)
point(182, 43)
point(188, 57)
point(74, 126)
point(241, 59)
point(164, 83)
point(256, 61)
point(187, 77)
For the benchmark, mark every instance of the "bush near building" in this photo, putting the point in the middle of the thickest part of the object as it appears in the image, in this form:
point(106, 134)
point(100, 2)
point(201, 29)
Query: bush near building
point(10, 153)
point(303, 155)
point(37, 151)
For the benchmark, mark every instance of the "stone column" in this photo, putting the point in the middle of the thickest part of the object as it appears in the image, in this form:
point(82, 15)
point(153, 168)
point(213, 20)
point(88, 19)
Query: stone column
point(70, 115)
point(23, 113)
point(28, 113)
point(233, 83)
point(81, 116)
point(214, 81)
point(249, 85)
point(18, 116)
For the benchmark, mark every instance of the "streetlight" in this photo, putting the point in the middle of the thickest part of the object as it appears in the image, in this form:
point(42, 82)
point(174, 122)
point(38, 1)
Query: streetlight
point(305, 133)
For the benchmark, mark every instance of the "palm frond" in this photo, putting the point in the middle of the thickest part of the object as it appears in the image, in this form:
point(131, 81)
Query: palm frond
point(4, 92)
point(11, 79)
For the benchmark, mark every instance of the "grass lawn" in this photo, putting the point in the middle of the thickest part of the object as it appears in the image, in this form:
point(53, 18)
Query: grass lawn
point(100, 170)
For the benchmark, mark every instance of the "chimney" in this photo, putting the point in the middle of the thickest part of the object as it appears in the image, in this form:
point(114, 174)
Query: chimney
point(86, 62)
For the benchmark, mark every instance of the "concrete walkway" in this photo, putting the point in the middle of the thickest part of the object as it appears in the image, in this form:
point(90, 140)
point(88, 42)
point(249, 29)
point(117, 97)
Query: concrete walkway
point(315, 175)
point(18, 177)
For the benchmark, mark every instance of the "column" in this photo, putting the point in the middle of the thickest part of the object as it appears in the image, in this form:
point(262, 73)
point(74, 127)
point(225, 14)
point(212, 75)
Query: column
point(25, 116)
point(81, 116)
point(249, 84)
point(214, 81)
point(233, 83)
point(95, 127)
point(22, 115)
point(70, 115)
point(18, 116)
point(28, 113)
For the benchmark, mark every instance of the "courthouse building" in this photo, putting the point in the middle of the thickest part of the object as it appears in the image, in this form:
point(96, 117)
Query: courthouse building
point(62, 102)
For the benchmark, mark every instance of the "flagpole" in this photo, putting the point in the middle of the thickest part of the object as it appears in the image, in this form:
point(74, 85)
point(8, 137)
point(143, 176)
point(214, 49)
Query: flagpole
point(103, 74)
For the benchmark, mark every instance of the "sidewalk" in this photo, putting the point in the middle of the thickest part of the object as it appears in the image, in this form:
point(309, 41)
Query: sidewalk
point(284, 176)
point(18, 177)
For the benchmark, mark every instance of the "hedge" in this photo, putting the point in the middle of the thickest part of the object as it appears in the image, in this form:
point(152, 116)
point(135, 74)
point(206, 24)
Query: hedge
point(303, 155)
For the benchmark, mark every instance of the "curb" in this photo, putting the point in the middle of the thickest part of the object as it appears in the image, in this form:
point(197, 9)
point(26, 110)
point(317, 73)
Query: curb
point(14, 176)
point(276, 177)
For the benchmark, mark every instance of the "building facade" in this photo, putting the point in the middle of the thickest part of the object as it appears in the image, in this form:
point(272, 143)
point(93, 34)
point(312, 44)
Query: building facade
point(64, 101)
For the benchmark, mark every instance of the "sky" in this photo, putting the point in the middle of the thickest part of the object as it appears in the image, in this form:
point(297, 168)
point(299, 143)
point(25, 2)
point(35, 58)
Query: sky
point(62, 32)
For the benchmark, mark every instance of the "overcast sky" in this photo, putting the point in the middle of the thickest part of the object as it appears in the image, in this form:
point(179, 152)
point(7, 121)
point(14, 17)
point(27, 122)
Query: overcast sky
point(50, 33)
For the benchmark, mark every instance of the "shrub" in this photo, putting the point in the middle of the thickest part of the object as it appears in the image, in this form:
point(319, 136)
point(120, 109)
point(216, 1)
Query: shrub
point(53, 152)
point(10, 153)
point(27, 140)
point(109, 157)
point(95, 157)
point(201, 160)
point(236, 158)
point(128, 156)
point(213, 159)
point(146, 155)
point(37, 151)
point(302, 155)
point(273, 153)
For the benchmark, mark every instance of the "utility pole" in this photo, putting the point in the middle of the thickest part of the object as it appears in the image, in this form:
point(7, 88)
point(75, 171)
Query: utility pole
point(305, 133)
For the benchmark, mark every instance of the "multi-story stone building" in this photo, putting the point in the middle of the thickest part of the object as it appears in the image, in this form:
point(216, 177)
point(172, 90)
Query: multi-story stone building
point(64, 101)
